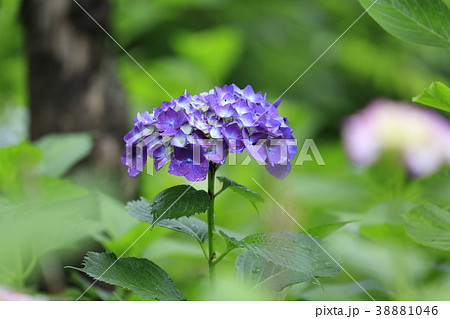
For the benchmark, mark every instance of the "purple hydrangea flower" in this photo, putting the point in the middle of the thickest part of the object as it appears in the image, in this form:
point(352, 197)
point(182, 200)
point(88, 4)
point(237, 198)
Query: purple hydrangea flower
point(420, 136)
point(189, 162)
point(193, 131)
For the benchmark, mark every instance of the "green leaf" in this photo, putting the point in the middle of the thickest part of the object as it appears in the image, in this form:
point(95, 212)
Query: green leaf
point(385, 233)
point(325, 230)
point(417, 21)
point(114, 216)
point(121, 245)
point(297, 252)
point(429, 225)
point(62, 151)
point(140, 275)
point(55, 218)
point(250, 195)
point(258, 273)
point(171, 203)
point(18, 166)
point(232, 242)
point(192, 226)
point(437, 96)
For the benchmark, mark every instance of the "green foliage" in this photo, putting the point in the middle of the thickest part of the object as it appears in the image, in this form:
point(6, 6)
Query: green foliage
point(326, 229)
point(416, 21)
point(174, 202)
point(250, 195)
point(57, 217)
point(277, 260)
point(400, 268)
point(231, 241)
point(139, 275)
point(13, 73)
point(385, 233)
point(258, 273)
point(114, 216)
point(62, 151)
point(189, 225)
point(219, 51)
point(429, 225)
point(297, 252)
point(121, 244)
point(337, 291)
point(437, 96)
point(18, 165)
point(40, 216)
point(43, 217)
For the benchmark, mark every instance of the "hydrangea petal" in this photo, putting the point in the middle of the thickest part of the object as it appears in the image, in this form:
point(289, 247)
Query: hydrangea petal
point(280, 171)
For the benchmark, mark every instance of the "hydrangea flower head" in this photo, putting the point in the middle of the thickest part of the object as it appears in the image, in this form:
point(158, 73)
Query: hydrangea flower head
point(192, 131)
point(421, 136)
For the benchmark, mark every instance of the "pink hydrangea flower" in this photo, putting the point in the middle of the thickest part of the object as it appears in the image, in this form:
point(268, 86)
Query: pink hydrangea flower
point(7, 294)
point(420, 136)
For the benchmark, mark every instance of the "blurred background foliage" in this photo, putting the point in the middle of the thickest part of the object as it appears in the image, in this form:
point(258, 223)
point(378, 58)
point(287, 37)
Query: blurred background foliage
point(53, 214)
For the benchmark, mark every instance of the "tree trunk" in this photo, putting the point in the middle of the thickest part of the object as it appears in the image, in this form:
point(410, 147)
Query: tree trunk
point(71, 76)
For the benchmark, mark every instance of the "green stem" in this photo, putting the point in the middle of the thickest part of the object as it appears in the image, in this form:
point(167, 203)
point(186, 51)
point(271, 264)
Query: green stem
point(218, 259)
point(223, 188)
point(203, 250)
point(211, 228)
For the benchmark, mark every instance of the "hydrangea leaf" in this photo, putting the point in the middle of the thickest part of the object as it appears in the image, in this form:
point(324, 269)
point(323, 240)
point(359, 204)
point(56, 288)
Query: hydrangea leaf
point(297, 252)
point(250, 195)
point(171, 203)
point(140, 275)
point(437, 96)
point(416, 21)
point(192, 226)
point(429, 225)
point(62, 151)
point(232, 242)
point(258, 273)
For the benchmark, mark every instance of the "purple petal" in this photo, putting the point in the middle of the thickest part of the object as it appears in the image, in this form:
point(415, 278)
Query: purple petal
point(280, 171)
point(215, 132)
point(231, 131)
point(276, 103)
point(257, 151)
point(233, 137)
point(186, 128)
point(135, 158)
point(225, 111)
point(216, 153)
point(281, 151)
point(248, 120)
point(161, 161)
point(241, 107)
point(179, 139)
point(197, 172)
point(179, 166)
point(169, 121)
